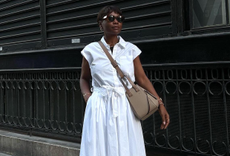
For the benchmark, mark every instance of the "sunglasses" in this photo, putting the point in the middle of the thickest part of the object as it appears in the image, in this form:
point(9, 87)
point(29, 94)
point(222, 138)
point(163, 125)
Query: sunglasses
point(111, 18)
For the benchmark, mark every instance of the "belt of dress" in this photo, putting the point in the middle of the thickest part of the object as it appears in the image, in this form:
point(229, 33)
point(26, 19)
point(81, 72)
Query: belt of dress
point(114, 93)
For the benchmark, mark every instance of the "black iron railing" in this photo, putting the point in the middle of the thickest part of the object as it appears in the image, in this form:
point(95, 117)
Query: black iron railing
point(197, 97)
point(48, 101)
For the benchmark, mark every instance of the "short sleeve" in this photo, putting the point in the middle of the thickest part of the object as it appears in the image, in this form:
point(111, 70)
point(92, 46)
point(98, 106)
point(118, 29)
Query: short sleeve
point(87, 55)
point(136, 51)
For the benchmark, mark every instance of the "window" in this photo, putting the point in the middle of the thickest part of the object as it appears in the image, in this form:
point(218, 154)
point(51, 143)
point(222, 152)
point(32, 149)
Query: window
point(206, 13)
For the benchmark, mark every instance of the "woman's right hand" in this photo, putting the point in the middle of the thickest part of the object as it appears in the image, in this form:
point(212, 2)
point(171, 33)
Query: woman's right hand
point(164, 116)
point(86, 97)
point(85, 80)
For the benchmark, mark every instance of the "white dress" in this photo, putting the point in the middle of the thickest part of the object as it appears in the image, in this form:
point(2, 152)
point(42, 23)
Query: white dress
point(110, 127)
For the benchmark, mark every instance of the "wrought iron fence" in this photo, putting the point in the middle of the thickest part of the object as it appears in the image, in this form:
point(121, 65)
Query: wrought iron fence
point(48, 101)
point(197, 97)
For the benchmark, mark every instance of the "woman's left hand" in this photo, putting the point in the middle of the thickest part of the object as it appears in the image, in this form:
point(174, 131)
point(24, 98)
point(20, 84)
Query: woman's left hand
point(165, 116)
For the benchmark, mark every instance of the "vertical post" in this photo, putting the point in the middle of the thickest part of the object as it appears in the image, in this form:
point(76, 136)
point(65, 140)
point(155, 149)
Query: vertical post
point(209, 113)
point(226, 109)
point(178, 22)
point(43, 23)
point(191, 14)
point(179, 110)
point(193, 110)
point(174, 17)
point(227, 11)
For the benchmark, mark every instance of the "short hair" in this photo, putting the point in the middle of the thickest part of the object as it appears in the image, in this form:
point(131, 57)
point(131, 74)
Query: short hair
point(107, 10)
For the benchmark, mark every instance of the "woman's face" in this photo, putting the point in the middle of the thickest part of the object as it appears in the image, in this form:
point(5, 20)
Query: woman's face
point(111, 28)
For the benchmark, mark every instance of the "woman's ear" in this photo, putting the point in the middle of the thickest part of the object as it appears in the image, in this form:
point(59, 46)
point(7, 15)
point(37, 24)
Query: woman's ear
point(100, 26)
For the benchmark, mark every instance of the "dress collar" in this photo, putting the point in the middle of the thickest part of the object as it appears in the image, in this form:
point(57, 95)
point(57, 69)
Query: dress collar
point(121, 42)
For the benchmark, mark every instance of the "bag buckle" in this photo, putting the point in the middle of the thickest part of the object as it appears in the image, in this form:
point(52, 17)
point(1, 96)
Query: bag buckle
point(124, 80)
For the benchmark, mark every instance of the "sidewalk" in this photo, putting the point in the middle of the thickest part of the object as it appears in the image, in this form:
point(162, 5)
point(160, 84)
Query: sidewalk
point(24, 145)
point(14, 144)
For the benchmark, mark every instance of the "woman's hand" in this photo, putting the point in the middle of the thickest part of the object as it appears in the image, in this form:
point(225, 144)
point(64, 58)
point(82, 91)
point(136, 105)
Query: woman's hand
point(85, 79)
point(86, 96)
point(164, 116)
point(144, 82)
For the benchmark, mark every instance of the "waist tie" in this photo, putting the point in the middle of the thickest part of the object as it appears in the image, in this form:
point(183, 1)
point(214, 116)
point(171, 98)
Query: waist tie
point(111, 92)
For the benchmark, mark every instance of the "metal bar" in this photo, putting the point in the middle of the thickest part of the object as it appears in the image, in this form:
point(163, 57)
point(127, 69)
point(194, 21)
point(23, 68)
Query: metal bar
point(23, 90)
point(78, 35)
point(58, 105)
point(226, 112)
point(151, 77)
point(43, 23)
point(74, 107)
point(165, 102)
point(20, 11)
point(4, 102)
point(72, 27)
point(60, 3)
point(18, 42)
point(193, 110)
point(69, 1)
point(3, 1)
point(20, 19)
point(227, 11)
point(66, 103)
point(17, 5)
point(144, 5)
point(191, 14)
point(193, 36)
point(95, 14)
point(52, 118)
point(179, 110)
point(174, 16)
point(151, 15)
point(40, 69)
point(196, 64)
point(98, 32)
point(209, 112)
point(21, 34)
point(20, 27)
point(44, 102)
point(72, 18)
point(36, 103)
point(80, 7)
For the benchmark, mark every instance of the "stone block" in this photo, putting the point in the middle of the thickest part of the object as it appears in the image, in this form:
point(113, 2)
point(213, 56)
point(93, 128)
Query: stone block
point(6, 144)
point(21, 147)
point(73, 152)
point(3, 154)
point(40, 149)
point(58, 151)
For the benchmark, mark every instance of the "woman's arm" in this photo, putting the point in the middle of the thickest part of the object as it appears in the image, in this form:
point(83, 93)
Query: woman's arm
point(85, 79)
point(144, 82)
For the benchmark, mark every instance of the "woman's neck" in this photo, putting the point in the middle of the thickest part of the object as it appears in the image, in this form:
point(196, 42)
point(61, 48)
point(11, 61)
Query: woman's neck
point(111, 40)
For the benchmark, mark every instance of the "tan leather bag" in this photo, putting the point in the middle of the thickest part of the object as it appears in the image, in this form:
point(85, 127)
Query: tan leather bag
point(143, 103)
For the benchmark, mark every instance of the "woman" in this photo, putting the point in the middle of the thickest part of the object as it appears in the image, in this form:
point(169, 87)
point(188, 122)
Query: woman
point(110, 127)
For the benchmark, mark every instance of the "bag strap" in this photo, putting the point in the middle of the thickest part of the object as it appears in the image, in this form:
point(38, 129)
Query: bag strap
point(113, 62)
point(119, 71)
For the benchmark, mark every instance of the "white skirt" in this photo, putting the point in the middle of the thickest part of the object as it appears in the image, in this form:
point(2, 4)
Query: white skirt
point(110, 127)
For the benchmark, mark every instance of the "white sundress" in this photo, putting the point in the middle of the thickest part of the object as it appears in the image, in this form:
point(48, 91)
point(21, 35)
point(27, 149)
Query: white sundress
point(110, 127)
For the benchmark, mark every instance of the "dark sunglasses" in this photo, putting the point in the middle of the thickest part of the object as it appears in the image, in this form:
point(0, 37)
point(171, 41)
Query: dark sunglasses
point(111, 18)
